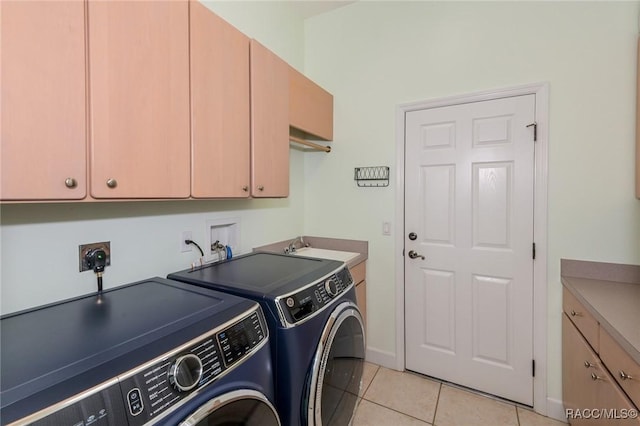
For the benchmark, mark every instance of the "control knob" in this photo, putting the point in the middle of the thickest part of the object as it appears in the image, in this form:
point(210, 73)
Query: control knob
point(331, 287)
point(185, 373)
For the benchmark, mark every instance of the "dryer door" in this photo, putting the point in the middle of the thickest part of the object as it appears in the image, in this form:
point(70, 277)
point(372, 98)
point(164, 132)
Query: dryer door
point(238, 408)
point(337, 368)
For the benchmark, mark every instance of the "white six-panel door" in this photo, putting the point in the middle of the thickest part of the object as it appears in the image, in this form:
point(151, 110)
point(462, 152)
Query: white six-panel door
point(469, 182)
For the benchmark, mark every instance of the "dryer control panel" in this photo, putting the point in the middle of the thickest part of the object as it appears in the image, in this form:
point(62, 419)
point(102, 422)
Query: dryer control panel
point(306, 302)
point(168, 380)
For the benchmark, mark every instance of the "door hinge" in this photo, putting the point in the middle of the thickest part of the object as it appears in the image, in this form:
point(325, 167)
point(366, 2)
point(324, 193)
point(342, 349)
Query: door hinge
point(533, 251)
point(533, 368)
point(535, 130)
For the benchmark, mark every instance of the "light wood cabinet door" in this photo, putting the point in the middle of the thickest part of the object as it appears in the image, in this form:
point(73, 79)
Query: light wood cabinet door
point(220, 111)
point(624, 368)
point(43, 106)
point(269, 123)
point(578, 363)
point(587, 385)
point(361, 298)
point(583, 320)
point(310, 107)
point(139, 99)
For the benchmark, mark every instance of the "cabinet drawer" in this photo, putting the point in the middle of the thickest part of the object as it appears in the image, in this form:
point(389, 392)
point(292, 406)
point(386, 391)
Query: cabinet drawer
point(582, 319)
point(358, 272)
point(625, 370)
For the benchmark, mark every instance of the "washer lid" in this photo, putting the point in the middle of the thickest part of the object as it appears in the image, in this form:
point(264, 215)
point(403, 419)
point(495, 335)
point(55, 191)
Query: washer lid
point(48, 345)
point(260, 274)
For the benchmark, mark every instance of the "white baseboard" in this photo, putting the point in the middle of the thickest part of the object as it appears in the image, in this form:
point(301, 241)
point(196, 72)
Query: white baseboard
point(555, 409)
point(383, 358)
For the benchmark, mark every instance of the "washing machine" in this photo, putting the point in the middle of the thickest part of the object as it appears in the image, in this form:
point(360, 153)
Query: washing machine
point(155, 352)
point(318, 340)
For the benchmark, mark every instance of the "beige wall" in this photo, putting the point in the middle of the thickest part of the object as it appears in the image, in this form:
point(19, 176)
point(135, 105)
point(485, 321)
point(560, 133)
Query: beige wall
point(374, 56)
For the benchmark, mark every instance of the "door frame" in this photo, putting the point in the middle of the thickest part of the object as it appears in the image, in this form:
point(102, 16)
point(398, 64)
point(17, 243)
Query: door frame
point(540, 318)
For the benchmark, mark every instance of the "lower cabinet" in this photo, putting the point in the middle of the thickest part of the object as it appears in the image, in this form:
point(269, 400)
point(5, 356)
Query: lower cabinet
point(591, 395)
point(359, 274)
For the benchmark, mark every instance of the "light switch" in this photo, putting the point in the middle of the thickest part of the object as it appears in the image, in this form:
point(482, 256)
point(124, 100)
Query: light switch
point(386, 228)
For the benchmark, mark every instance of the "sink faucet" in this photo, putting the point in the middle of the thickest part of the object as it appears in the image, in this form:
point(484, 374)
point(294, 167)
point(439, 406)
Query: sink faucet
point(291, 248)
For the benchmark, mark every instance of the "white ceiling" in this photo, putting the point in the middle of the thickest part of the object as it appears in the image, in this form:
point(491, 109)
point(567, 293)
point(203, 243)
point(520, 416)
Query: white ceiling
point(308, 8)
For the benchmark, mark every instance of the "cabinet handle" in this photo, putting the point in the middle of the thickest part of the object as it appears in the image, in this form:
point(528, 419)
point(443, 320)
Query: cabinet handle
point(260, 188)
point(245, 188)
point(595, 377)
point(625, 376)
point(575, 314)
point(587, 364)
point(112, 183)
point(70, 182)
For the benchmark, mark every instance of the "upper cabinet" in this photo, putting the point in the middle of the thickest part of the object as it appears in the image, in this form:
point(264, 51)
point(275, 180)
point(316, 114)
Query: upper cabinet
point(269, 123)
point(145, 100)
point(310, 107)
point(220, 110)
point(139, 99)
point(43, 106)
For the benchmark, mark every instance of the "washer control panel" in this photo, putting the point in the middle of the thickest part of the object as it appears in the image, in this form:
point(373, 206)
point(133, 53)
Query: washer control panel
point(167, 381)
point(315, 297)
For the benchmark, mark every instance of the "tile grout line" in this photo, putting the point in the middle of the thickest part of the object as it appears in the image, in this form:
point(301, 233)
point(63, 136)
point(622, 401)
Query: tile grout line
point(371, 381)
point(399, 412)
point(435, 410)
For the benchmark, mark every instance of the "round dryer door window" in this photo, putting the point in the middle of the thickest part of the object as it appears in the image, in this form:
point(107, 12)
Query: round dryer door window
point(237, 408)
point(337, 368)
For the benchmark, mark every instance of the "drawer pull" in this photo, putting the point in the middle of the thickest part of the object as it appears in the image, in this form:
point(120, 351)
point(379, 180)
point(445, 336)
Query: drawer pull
point(595, 377)
point(587, 364)
point(575, 314)
point(625, 376)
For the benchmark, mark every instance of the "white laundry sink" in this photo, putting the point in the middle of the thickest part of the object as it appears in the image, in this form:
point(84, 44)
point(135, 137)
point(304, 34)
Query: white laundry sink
point(344, 256)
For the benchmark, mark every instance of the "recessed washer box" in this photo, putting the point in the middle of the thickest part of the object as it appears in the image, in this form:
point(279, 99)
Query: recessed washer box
point(226, 231)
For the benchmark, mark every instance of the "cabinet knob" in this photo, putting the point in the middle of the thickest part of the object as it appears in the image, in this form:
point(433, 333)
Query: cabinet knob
point(575, 314)
point(260, 188)
point(595, 377)
point(112, 183)
point(625, 376)
point(587, 364)
point(245, 188)
point(70, 182)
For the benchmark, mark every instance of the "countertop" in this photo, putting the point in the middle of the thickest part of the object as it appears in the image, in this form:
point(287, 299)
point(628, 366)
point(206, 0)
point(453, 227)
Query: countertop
point(613, 298)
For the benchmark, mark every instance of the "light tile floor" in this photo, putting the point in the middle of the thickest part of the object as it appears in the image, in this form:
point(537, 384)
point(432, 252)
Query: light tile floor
point(395, 398)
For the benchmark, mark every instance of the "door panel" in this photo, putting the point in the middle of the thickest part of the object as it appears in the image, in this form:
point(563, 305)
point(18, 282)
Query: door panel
point(139, 97)
point(269, 123)
point(43, 100)
point(469, 197)
point(220, 112)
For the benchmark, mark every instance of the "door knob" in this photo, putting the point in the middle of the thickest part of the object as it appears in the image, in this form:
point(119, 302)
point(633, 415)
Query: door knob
point(414, 255)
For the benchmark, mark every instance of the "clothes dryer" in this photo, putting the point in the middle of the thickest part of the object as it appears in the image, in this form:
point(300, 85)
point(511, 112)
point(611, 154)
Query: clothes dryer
point(318, 339)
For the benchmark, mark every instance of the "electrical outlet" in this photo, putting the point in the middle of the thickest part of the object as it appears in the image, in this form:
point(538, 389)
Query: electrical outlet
point(184, 247)
point(83, 249)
